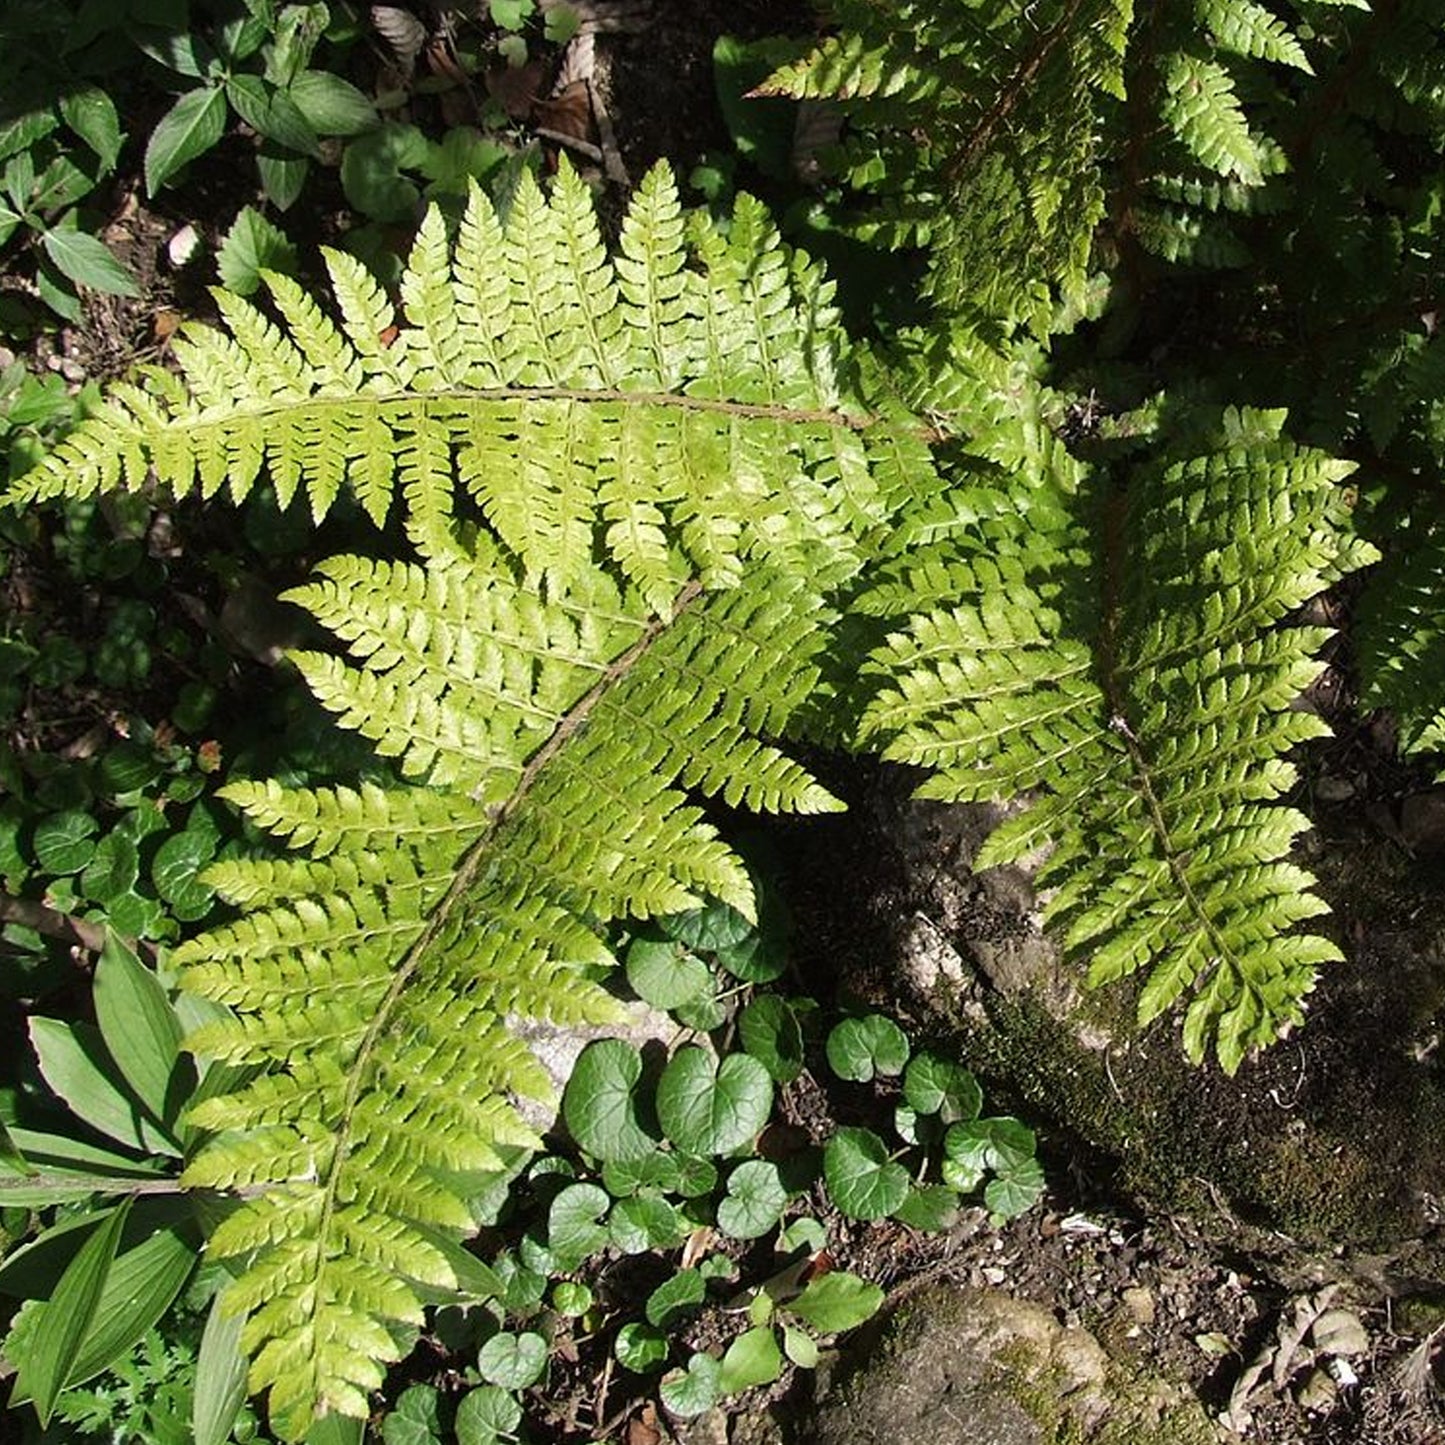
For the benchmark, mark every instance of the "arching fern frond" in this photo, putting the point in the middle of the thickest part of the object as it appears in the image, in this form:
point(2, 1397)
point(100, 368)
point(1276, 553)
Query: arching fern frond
point(632, 489)
point(564, 389)
point(1118, 661)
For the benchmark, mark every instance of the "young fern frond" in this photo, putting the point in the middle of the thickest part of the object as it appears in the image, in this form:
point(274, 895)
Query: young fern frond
point(632, 489)
point(1118, 662)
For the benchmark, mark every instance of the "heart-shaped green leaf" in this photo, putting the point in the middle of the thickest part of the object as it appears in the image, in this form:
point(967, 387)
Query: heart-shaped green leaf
point(599, 1104)
point(712, 1111)
point(862, 1181)
point(860, 1048)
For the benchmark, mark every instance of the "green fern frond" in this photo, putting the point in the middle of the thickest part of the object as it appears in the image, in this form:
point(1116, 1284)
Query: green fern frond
point(1002, 113)
point(1202, 108)
point(1401, 638)
point(1243, 27)
point(632, 489)
point(1118, 661)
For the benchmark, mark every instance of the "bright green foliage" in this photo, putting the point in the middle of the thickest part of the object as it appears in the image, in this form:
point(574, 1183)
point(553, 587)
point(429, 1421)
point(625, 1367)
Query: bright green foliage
point(590, 456)
point(1108, 652)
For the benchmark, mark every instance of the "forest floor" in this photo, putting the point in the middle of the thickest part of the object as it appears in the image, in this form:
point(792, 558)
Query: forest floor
point(1200, 1299)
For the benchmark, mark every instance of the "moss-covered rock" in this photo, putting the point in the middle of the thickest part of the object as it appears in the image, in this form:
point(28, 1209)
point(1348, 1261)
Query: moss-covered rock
point(976, 1367)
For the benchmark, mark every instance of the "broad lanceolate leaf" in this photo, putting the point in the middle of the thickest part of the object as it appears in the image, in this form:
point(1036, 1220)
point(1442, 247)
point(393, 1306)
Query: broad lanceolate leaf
point(187, 130)
point(634, 490)
point(50, 1353)
point(1133, 676)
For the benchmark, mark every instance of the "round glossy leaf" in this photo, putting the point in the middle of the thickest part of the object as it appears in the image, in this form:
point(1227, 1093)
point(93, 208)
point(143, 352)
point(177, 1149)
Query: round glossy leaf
point(754, 1202)
point(640, 1348)
point(862, 1180)
point(714, 926)
point(676, 1298)
point(695, 1177)
point(980, 1144)
point(752, 1359)
point(600, 1104)
point(513, 1361)
point(571, 1298)
point(1016, 1189)
point(176, 869)
point(645, 1222)
point(659, 1171)
point(64, 841)
point(574, 1230)
point(939, 1086)
point(932, 1209)
point(487, 1414)
point(128, 767)
point(712, 1112)
point(770, 1032)
point(695, 1390)
point(416, 1420)
point(704, 1013)
point(860, 1048)
point(112, 870)
point(759, 958)
point(665, 974)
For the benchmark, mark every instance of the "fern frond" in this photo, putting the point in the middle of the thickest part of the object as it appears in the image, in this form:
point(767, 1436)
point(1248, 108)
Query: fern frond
point(1133, 680)
point(632, 490)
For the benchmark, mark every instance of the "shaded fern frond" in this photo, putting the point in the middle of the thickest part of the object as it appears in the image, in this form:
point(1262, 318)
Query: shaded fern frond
point(1003, 112)
point(632, 489)
point(1119, 662)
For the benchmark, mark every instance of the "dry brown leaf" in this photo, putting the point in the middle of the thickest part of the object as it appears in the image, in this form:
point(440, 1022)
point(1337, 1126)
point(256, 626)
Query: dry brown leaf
point(402, 31)
point(567, 116)
point(642, 1427)
point(516, 88)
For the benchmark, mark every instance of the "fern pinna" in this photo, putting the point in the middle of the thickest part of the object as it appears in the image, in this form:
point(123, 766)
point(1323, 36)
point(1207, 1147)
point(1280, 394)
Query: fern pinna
point(592, 455)
point(1105, 646)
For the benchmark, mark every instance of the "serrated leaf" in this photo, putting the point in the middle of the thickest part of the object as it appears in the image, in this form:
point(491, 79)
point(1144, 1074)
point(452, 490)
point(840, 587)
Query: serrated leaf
point(253, 245)
point(333, 106)
point(188, 129)
point(88, 261)
point(91, 114)
point(862, 1181)
point(705, 1109)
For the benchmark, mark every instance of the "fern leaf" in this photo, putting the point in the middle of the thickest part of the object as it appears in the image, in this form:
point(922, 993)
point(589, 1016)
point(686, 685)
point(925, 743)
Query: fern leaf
point(1145, 705)
point(1203, 110)
point(632, 490)
point(1243, 27)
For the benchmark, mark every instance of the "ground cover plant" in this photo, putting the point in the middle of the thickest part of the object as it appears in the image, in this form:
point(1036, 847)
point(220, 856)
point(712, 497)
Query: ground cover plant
point(602, 529)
